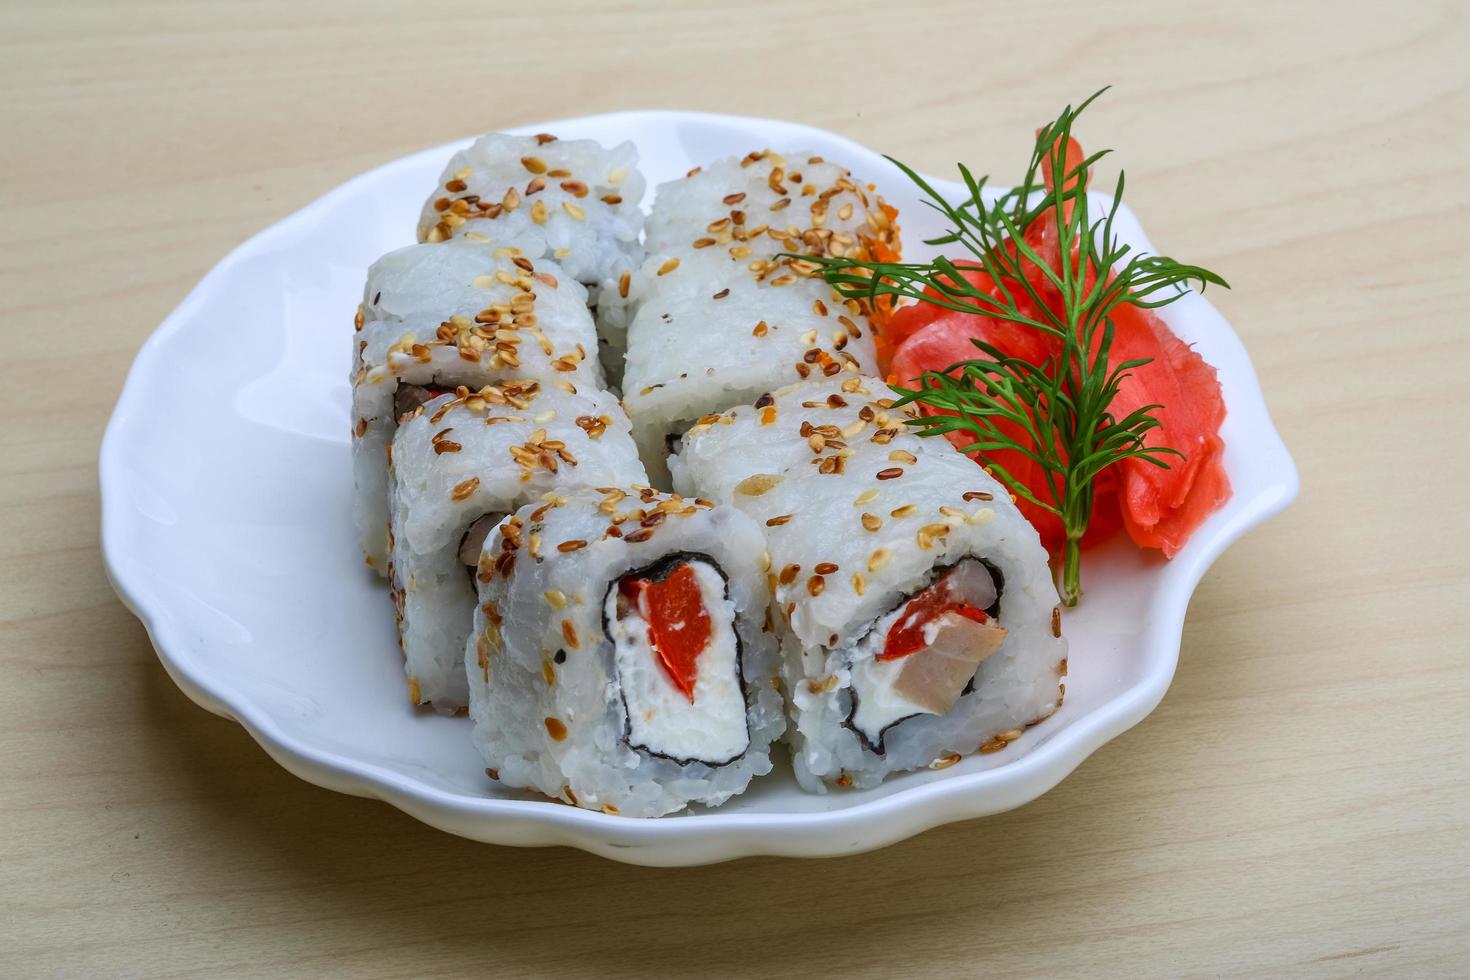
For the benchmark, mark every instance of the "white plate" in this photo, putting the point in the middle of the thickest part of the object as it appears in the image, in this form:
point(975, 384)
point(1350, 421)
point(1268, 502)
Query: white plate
point(225, 524)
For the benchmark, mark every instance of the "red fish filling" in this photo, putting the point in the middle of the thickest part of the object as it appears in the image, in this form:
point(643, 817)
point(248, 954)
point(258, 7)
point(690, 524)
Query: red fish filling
point(678, 624)
point(907, 634)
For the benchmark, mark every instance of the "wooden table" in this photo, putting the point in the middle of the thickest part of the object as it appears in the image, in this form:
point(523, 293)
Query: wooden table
point(1298, 804)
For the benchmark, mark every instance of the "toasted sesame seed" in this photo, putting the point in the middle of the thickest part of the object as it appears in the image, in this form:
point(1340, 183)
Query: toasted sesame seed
point(891, 473)
point(768, 415)
point(788, 574)
point(574, 187)
point(757, 484)
point(624, 281)
point(994, 745)
point(978, 495)
point(1056, 621)
point(464, 488)
point(779, 520)
point(573, 210)
point(859, 584)
point(877, 559)
point(669, 266)
point(902, 456)
point(555, 729)
point(825, 568)
point(815, 585)
point(945, 761)
point(538, 212)
point(734, 198)
point(865, 497)
point(572, 545)
point(721, 294)
point(760, 329)
point(535, 165)
point(872, 522)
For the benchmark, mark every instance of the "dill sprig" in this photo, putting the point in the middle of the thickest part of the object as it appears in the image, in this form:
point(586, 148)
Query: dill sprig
point(1061, 407)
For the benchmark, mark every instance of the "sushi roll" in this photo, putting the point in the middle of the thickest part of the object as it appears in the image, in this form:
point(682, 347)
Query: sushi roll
point(719, 313)
point(459, 464)
point(715, 335)
point(574, 201)
point(918, 616)
point(434, 317)
point(622, 659)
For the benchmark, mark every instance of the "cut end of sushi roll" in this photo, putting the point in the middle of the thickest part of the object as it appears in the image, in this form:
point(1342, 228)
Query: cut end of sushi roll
point(672, 626)
point(622, 657)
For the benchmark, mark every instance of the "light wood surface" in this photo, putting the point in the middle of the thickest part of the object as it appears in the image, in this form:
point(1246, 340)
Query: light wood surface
point(1297, 805)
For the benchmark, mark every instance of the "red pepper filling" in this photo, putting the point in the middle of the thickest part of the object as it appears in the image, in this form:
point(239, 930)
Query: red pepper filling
point(907, 634)
point(678, 626)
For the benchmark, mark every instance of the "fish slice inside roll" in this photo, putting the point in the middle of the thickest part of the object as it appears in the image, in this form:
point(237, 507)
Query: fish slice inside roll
point(919, 658)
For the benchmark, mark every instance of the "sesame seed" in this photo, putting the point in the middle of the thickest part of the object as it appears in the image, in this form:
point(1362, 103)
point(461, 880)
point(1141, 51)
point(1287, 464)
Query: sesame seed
point(1056, 621)
point(535, 165)
point(624, 281)
point(815, 585)
point(978, 495)
point(668, 266)
point(734, 198)
point(574, 187)
point(944, 762)
point(872, 522)
point(779, 520)
point(721, 294)
point(788, 574)
point(573, 545)
point(538, 212)
point(891, 473)
point(573, 210)
point(760, 329)
point(865, 497)
point(555, 729)
point(464, 488)
point(877, 559)
point(902, 456)
point(825, 568)
point(756, 485)
point(859, 584)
